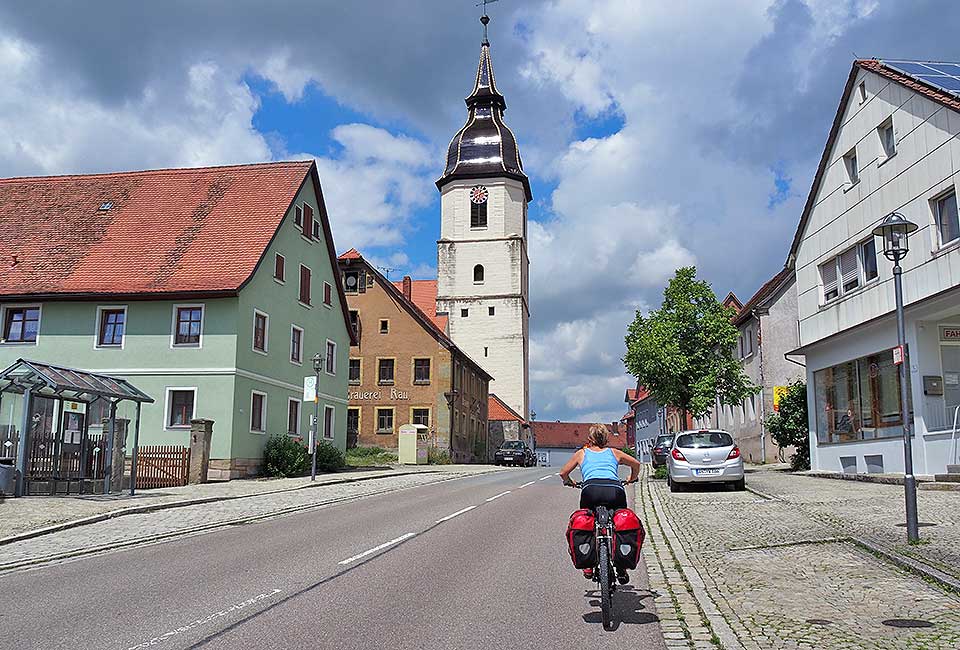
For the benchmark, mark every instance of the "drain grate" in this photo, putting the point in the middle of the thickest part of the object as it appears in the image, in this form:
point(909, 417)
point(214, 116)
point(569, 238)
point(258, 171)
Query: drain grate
point(907, 622)
point(819, 621)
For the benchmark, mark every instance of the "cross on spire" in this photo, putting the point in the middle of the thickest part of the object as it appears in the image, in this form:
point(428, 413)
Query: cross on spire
point(485, 19)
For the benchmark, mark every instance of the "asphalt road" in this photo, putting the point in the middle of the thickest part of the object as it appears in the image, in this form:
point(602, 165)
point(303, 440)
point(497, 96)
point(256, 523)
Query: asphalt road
point(388, 571)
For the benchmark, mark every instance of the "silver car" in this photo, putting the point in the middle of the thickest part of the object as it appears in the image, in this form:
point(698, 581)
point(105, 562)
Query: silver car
point(705, 456)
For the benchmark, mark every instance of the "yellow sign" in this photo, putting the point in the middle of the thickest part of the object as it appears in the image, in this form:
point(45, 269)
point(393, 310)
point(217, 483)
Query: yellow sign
point(779, 392)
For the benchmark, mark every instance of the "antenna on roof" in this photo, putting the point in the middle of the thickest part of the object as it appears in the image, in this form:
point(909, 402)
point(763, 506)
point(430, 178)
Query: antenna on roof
point(385, 271)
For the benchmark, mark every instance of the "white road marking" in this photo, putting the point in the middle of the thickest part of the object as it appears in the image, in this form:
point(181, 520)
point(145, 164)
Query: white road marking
point(526, 484)
point(456, 514)
point(376, 548)
point(499, 495)
point(206, 619)
point(546, 477)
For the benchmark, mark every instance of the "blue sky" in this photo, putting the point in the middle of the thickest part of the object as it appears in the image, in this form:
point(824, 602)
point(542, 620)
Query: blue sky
point(655, 134)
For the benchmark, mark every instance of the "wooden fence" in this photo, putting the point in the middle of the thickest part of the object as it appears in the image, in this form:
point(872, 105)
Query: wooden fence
point(162, 466)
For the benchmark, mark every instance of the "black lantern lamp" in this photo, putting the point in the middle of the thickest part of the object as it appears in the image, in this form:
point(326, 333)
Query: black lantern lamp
point(317, 363)
point(895, 230)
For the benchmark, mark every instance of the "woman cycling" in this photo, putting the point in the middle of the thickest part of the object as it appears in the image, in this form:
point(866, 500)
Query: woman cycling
point(599, 466)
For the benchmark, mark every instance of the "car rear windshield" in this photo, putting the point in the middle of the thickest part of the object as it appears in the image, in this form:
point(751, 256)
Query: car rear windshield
point(664, 441)
point(512, 444)
point(705, 439)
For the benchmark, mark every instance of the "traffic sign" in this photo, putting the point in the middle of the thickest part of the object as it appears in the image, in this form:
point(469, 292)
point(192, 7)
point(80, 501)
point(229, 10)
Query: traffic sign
point(309, 389)
point(898, 355)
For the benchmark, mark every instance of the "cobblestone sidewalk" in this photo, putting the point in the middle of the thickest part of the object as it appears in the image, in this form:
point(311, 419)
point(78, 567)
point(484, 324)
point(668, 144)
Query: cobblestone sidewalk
point(742, 571)
point(32, 513)
point(147, 527)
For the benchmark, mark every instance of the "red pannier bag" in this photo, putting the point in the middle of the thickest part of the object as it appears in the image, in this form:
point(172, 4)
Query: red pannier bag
point(628, 535)
point(582, 539)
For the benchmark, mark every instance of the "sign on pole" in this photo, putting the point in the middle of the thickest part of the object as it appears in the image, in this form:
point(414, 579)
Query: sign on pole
point(309, 389)
point(779, 392)
point(898, 355)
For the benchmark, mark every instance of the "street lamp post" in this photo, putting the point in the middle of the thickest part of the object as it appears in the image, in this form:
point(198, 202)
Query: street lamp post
point(315, 429)
point(895, 231)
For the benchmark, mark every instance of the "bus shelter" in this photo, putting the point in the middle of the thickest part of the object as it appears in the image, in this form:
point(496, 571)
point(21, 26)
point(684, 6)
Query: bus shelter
point(53, 444)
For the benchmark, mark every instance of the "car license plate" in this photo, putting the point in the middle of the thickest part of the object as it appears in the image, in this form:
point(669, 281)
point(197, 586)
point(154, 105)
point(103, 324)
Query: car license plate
point(708, 472)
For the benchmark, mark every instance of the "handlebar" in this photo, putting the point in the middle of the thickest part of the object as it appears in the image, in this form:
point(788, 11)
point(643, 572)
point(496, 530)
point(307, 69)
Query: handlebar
point(579, 486)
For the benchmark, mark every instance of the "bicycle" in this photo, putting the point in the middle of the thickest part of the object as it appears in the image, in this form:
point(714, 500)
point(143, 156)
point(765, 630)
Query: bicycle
point(604, 573)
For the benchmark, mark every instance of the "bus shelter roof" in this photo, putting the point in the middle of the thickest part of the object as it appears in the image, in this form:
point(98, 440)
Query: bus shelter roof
point(49, 380)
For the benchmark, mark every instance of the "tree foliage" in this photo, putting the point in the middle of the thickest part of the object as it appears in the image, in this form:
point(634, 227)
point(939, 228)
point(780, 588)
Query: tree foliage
point(683, 352)
point(789, 426)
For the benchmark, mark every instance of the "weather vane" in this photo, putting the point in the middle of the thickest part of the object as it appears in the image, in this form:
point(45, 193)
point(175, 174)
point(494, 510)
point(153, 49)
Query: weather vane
point(485, 19)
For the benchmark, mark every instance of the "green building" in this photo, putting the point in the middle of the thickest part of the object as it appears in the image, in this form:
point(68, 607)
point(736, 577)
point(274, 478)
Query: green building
point(210, 289)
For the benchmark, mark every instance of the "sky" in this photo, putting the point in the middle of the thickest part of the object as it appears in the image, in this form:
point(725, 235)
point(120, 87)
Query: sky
point(655, 134)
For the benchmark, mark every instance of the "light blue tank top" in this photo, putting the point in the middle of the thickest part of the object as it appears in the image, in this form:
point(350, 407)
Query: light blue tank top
point(599, 464)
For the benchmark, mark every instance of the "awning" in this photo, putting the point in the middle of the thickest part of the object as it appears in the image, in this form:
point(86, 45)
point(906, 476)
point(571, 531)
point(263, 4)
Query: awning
point(48, 380)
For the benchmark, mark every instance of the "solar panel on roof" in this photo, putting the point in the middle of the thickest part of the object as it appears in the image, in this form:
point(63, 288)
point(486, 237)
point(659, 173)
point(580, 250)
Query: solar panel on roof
point(945, 76)
point(945, 68)
point(947, 83)
point(911, 67)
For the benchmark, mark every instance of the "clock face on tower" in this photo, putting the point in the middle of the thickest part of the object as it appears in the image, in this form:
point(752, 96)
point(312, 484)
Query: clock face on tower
point(478, 194)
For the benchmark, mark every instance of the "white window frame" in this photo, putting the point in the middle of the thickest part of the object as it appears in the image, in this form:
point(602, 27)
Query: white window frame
point(263, 413)
point(282, 280)
point(333, 421)
point(266, 333)
point(935, 207)
point(861, 272)
point(323, 298)
point(23, 305)
point(326, 349)
point(852, 178)
point(862, 91)
point(290, 356)
point(298, 402)
point(96, 331)
point(887, 124)
point(169, 403)
point(173, 327)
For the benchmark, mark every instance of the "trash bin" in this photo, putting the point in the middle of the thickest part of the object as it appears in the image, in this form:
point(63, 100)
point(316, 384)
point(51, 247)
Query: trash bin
point(412, 444)
point(8, 477)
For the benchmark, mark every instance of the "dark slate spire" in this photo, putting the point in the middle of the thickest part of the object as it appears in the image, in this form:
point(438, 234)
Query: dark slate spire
point(485, 147)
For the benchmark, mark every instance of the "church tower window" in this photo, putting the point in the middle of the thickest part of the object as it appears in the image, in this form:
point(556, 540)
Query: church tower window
point(478, 274)
point(478, 207)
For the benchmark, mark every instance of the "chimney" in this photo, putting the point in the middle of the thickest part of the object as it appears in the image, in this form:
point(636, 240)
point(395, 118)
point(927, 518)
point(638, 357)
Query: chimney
point(407, 287)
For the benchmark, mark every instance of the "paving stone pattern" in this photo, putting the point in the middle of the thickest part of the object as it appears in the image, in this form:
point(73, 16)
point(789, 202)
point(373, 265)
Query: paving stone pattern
point(138, 527)
point(770, 567)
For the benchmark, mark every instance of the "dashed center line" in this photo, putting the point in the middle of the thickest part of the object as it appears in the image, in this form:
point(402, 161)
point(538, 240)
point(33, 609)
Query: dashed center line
point(456, 514)
point(376, 548)
point(546, 477)
point(498, 495)
point(526, 484)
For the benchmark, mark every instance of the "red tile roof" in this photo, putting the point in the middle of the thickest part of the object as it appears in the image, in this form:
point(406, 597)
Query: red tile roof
point(497, 410)
point(631, 395)
point(351, 254)
point(562, 435)
point(763, 293)
point(167, 231)
point(423, 293)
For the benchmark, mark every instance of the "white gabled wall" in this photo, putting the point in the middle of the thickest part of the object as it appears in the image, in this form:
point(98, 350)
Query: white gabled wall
point(498, 342)
point(928, 153)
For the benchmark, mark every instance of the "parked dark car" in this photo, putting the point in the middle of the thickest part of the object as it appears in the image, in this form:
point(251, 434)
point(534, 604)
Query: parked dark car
point(515, 452)
point(660, 450)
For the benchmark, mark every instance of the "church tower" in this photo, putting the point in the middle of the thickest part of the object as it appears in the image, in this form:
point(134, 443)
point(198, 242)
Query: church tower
point(482, 258)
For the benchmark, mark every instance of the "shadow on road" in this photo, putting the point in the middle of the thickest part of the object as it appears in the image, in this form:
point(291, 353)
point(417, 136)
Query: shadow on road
point(628, 607)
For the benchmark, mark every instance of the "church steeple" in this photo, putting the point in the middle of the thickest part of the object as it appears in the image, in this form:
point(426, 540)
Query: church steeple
point(485, 147)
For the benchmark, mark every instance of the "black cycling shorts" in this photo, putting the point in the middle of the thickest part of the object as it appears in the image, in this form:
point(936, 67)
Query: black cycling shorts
point(601, 492)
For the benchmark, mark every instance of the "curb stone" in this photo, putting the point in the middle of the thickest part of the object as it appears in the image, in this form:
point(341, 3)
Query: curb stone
point(184, 532)
point(136, 510)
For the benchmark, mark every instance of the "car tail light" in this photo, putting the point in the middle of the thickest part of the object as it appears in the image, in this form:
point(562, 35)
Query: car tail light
point(677, 455)
point(734, 453)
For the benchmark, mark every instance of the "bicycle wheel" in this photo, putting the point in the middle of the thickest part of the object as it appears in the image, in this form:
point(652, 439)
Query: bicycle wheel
point(606, 607)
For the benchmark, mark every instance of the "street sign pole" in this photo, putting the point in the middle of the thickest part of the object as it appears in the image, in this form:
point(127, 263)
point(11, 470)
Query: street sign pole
point(315, 429)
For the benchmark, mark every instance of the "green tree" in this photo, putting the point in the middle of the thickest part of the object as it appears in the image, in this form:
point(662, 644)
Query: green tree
point(789, 426)
point(683, 352)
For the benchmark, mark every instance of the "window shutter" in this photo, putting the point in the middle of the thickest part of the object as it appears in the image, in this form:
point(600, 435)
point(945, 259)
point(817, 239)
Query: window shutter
point(828, 273)
point(307, 221)
point(849, 270)
point(304, 285)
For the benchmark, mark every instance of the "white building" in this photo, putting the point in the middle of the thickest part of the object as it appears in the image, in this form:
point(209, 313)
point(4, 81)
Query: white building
point(482, 258)
point(893, 147)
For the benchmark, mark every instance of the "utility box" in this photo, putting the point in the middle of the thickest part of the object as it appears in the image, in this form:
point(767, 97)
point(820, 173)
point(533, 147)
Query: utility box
point(8, 477)
point(412, 444)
